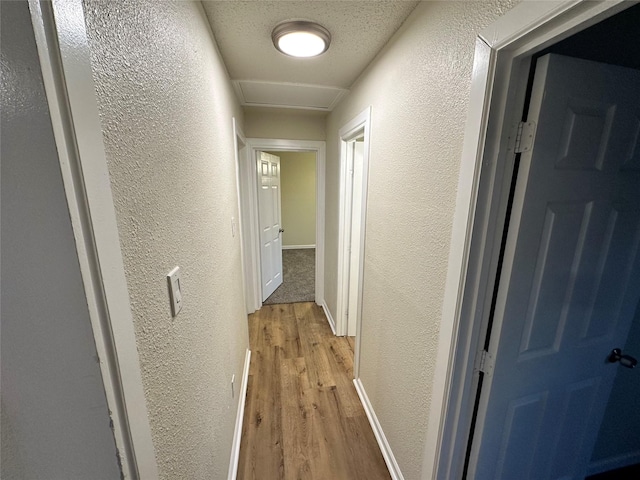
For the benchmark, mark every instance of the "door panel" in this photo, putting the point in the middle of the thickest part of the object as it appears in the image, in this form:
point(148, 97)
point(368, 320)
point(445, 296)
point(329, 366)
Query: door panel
point(563, 232)
point(519, 437)
point(577, 403)
point(585, 134)
point(632, 144)
point(570, 279)
point(605, 299)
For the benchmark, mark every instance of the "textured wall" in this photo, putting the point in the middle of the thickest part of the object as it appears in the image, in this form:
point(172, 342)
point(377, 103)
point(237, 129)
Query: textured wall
point(285, 123)
point(54, 415)
point(166, 106)
point(418, 88)
point(298, 188)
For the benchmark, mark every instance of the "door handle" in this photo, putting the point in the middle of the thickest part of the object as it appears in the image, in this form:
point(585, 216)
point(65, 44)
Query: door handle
point(625, 360)
point(281, 230)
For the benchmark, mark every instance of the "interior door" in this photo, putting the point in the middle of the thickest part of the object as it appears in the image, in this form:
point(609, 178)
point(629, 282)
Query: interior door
point(570, 279)
point(270, 227)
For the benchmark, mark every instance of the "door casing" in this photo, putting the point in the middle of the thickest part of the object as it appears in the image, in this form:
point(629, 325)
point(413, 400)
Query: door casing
point(249, 203)
point(501, 64)
point(242, 222)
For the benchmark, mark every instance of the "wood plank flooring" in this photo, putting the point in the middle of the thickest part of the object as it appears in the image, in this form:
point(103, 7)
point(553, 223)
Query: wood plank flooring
point(303, 418)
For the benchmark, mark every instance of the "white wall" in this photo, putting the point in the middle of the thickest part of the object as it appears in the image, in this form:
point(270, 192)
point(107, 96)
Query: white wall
point(298, 196)
point(166, 106)
point(290, 124)
point(54, 415)
point(418, 88)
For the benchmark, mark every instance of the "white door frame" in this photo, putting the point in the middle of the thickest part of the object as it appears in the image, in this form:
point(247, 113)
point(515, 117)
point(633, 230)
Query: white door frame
point(244, 222)
point(359, 125)
point(502, 55)
point(63, 48)
point(249, 176)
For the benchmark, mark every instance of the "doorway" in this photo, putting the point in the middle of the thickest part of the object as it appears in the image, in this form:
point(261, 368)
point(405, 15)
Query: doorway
point(557, 302)
point(250, 212)
point(501, 71)
point(354, 167)
point(568, 283)
point(298, 224)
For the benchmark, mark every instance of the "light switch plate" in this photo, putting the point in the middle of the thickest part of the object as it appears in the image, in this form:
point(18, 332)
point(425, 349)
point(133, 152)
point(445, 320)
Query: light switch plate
point(175, 294)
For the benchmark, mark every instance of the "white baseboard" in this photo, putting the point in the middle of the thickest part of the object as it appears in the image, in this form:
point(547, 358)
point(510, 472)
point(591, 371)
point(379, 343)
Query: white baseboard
point(330, 319)
point(237, 434)
point(612, 463)
point(297, 247)
point(385, 448)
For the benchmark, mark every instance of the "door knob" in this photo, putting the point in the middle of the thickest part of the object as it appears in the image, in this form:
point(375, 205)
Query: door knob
point(281, 230)
point(625, 360)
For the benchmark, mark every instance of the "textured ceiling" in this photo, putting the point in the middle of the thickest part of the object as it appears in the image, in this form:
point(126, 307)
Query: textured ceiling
point(359, 30)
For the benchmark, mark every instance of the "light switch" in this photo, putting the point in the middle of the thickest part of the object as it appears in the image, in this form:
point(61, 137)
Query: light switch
point(175, 295)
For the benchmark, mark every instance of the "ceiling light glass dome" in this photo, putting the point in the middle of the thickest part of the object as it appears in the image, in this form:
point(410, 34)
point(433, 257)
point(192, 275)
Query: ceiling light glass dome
point(301, 38)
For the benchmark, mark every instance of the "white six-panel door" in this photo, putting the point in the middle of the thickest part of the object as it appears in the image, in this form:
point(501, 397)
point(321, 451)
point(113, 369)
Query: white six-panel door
point(570, 282)
point(270, 226)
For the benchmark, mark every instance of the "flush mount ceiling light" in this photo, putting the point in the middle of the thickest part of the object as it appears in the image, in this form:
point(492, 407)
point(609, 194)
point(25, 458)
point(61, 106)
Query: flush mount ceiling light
point(301, 38)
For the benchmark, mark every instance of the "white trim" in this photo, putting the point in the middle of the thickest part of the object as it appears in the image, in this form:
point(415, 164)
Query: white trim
point(502, 54)
point(330, 319)
point(250, 230)
point(241, 151)
point(613, 463)
point(383, 443)
point(320, 220)
point(65, 60)
point(268, 144)
point(237, 433)
point(297, 247)
point(360, 123)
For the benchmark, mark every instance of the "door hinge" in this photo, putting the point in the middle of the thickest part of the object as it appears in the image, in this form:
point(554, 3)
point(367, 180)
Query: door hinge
point(525, 137)
point(485, 363)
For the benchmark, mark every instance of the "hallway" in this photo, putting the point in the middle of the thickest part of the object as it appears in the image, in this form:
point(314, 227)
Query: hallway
point(303, 418)
point(130, 133)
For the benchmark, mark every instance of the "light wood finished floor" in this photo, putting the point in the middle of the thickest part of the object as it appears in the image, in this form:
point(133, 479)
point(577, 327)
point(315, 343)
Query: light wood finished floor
point(303, 418)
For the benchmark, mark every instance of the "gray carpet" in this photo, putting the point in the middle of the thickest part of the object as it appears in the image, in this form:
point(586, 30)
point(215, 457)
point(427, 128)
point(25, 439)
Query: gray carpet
point(298, 277)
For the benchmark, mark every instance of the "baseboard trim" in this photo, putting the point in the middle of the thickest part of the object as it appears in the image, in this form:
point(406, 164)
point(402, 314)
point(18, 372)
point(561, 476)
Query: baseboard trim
point(297, 247)
point(330, 319)
point(385, 448)
point(613, 463)
point(237, 434)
